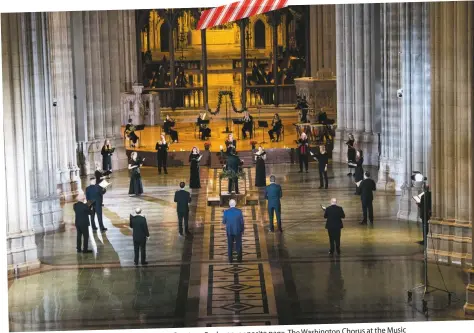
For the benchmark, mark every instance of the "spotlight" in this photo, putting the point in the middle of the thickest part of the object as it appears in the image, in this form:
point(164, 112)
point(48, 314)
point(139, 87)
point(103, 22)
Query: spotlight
point(418, 176)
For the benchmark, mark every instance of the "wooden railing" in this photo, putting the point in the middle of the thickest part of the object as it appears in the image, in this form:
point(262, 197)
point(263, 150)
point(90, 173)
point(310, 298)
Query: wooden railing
point(237, 63)
point(190, 98)
point(265, 95)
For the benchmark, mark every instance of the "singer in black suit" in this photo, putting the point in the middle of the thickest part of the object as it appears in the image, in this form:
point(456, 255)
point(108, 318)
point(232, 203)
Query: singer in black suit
point(83, 212)
point(247, 125)
point(95, 193)
point(425, 212)
point(334, 215)
point(140, 234)
point(323, 160)
point(366, 188)
point(182, 198)
point(233, 164)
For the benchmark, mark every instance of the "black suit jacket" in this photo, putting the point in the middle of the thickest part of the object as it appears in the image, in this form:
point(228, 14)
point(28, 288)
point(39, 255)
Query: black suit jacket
point(82, 214)
point(426, 197)
point(140, 228)
point(367, 186)
point(233, 163)
point(182, 198)
point(334, 215)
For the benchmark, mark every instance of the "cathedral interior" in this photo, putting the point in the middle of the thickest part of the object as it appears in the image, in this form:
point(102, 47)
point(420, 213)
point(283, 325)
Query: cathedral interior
point(397, 77)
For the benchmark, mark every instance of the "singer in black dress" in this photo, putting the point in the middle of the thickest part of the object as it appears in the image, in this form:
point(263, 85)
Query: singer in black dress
point(194, 159)
point(106, 153)
point(136, 186)
point(162, 154)
point(260, 173)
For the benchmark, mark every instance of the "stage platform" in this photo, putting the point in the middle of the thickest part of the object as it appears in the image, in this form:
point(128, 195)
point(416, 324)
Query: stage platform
point(188, 134)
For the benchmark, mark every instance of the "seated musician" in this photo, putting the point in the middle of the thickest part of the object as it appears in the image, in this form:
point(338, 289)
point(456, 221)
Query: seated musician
point(130, 133)
point(167, 127)
point(230, 143)
point(203, 128)
point(247, 125)
point(276, 128)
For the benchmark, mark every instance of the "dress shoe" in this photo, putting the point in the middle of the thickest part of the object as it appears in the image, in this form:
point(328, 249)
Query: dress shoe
point(145, 263)
point(103, 230)
point(79, 251)
point(87, 251)
point(181, 234)
point(95, 229)
point(135, 263)
point(331, 253)
point(349, 174)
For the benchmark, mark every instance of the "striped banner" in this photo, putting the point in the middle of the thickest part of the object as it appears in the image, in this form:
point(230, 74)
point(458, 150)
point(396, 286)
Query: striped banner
point(237, 11)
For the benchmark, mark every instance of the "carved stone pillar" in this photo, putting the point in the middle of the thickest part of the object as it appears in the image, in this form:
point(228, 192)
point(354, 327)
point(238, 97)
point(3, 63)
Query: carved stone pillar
point(451, 71)
point(60, 53)
point(21, 247)
point(98, 83)
point(40, 121)
point(451, 141)
point(356, 79)
point(405, 133)
point(322, 25)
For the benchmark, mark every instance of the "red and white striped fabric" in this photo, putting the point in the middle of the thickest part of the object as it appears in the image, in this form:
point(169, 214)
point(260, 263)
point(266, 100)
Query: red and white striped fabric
point(236, 11)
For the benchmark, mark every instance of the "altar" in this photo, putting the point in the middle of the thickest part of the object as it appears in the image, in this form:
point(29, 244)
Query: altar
point(320, 92)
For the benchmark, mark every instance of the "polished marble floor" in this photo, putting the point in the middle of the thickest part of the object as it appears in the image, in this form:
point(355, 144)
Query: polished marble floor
point(285, 278)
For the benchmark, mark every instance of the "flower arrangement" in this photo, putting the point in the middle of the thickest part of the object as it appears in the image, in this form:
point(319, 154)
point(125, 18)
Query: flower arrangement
point(231, 174)
point(207, 145)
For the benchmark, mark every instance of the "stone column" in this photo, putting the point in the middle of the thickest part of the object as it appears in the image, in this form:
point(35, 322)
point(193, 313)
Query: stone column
point(40, 124)
point(99, 82)
point(205, 87)
point(243, 62)
point(405, 118)
point(322, 26)
point(60, 53)
point(16, 148)
point(356, 81)
point(452, 107)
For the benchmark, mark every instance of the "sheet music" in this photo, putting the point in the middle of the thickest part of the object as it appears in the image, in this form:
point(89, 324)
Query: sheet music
point(352, 164)
point(311, 153)
point(323, 207)
point(358, 183)
point(104, 184)
point(417, 198)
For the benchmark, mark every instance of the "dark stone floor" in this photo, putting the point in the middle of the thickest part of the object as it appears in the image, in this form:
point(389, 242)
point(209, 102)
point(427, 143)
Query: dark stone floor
point(285, 278)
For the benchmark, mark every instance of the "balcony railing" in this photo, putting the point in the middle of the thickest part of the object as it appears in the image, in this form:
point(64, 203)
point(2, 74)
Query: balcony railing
point(189, 98)
point(265, 95)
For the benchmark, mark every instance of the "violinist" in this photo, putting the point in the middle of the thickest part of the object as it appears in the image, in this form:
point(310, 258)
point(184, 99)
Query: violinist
point(247, 124)
point(167, 127)
point(203, 128)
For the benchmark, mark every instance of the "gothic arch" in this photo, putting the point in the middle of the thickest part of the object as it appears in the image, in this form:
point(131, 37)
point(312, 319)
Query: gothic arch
point(165, 37)
point(259, 34)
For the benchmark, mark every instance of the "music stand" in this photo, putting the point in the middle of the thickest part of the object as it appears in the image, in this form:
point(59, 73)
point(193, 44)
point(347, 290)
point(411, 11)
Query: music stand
point(263, 124)
point(139, 128)
point(238, 122)
point(227, 131)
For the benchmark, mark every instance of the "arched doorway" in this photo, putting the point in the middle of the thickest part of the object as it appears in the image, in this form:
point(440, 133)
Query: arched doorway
point(259, 34)
point(165, 37)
